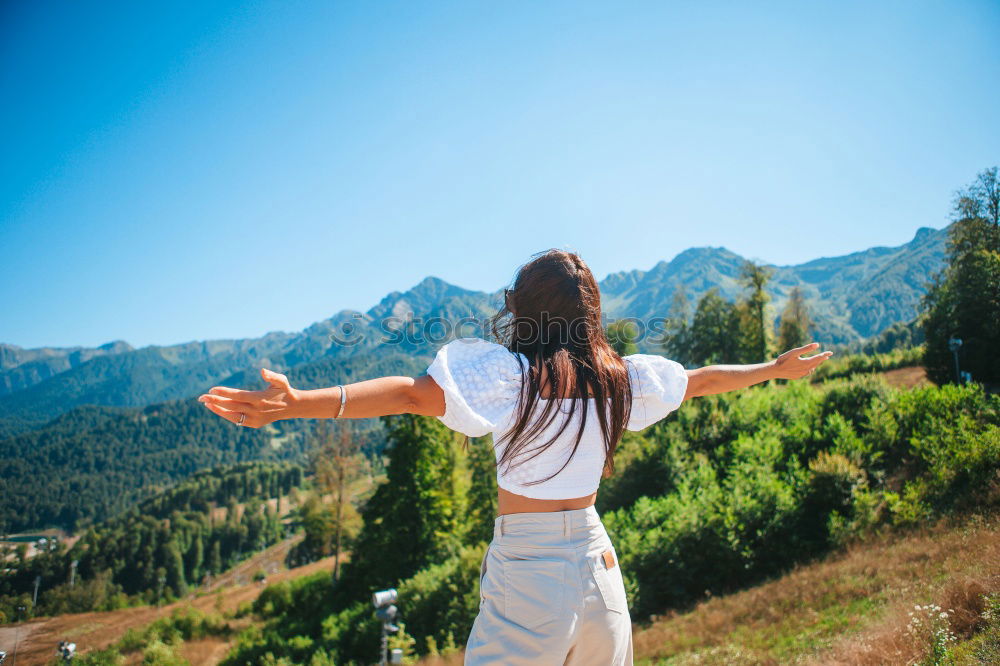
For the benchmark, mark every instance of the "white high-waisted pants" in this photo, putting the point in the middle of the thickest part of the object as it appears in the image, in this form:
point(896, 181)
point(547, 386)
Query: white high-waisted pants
point(551, 593)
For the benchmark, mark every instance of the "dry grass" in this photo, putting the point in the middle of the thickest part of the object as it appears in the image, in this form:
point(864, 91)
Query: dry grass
point(891, 643)
point(907, 378)
point(851, 608)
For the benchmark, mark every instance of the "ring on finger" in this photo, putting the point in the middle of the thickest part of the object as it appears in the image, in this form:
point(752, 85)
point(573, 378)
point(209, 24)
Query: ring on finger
point(243, 417)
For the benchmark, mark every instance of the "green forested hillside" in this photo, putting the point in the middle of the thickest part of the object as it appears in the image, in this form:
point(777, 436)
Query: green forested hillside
point(94, 462)
point(161, 546)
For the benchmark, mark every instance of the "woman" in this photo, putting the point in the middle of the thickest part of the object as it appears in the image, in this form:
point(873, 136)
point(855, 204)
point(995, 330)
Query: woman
point(557, 399)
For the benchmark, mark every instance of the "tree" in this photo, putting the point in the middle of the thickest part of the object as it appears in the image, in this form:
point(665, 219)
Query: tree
point(482, 491)
point(319, 530)
point(335, 464)
point(964, 298)
point(796, 325)
point(715, 330)
point(755, 325)
point(621, 336)
point(979, 204)
point(418, 515)
point(174, 566)
point(194, 559)
point(901, 335)
point(215, 559)
point(679, 340)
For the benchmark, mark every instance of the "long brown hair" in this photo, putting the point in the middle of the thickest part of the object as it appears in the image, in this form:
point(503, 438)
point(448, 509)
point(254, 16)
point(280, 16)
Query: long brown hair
point(552, 315)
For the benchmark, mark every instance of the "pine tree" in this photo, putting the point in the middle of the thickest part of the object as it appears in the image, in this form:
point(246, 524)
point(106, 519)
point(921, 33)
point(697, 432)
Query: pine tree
point(796, 326)
point(715, 331)
point(755, 324)
point(215, 559)
point(174, 566)
point(195, 556)
point(678, 342)
point(964, 299)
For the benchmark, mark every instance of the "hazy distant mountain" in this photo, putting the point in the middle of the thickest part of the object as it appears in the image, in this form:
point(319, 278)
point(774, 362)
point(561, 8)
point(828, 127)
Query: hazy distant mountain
point(851, 297)
point(21, 368)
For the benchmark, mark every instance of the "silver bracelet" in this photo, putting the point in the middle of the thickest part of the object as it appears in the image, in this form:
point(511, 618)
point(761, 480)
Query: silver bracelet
point(343, 400)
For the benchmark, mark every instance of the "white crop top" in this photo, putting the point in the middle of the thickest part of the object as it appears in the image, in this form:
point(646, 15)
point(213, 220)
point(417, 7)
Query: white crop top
point(481, 381)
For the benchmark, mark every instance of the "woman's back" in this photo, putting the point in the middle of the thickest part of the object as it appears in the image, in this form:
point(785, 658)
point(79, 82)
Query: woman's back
point(482, 382)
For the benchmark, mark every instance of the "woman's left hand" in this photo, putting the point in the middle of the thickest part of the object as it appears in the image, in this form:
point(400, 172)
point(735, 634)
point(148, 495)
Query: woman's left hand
point(792, 365)
point(259, 407)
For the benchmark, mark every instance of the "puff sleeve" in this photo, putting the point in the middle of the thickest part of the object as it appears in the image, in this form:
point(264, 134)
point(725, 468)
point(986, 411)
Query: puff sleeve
point(658, 388)
point(481, 381)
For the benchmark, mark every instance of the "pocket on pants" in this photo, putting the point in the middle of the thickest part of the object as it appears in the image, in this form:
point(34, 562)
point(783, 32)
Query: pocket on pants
point(482, 574)
point(610, 583)
point(533, 590)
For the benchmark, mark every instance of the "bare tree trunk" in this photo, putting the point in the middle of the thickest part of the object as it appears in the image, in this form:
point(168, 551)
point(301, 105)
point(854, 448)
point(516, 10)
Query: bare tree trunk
point(340, 519)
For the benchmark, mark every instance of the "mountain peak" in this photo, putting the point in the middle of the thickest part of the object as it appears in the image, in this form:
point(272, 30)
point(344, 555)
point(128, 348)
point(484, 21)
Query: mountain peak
point(116, 346)
point(431, 285)
point(424, 297)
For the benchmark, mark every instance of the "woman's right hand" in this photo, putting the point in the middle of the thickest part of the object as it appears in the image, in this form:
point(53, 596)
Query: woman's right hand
point(274, 403)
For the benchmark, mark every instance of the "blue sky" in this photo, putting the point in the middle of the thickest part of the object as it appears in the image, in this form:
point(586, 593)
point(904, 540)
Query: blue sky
point(177, 171)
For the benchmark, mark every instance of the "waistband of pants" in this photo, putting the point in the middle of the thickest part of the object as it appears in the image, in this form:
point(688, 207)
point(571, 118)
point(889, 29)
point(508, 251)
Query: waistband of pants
point(572, 526)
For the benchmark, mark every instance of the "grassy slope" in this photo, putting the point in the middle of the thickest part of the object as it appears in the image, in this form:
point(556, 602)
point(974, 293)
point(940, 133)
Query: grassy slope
point(852, 607)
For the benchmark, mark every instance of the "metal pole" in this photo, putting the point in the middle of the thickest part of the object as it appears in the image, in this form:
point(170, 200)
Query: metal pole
point(34, 597)
point(17, 632)
point(954, 344)
point(385, 646)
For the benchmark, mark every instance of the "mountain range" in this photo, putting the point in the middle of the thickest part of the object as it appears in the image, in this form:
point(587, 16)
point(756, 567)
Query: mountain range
point(850, 297)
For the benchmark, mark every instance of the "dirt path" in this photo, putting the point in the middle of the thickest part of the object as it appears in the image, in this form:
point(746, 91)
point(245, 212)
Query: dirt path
point(907, 378)
point(38, 638)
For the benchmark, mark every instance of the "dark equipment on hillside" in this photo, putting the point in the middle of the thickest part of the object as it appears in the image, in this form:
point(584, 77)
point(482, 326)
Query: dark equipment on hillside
point(386, 611)
point(66, 651)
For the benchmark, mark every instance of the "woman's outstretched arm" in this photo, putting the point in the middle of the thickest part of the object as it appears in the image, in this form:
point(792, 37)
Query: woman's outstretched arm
point(373, 397)
point(713, 379)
